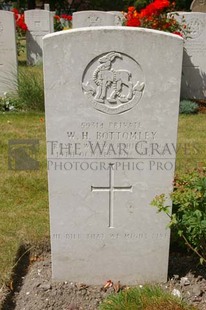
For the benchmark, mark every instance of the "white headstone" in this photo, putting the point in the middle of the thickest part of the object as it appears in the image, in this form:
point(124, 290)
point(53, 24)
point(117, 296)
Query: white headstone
point(194, 57)
point(39, 23)
point(8, 52)
point(111, 118)
point(47, 6)
point(93, 19)
point(119, 17)
point(198, 6)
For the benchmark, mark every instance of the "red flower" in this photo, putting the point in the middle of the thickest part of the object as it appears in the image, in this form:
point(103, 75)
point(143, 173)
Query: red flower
point(56, 17)
point(20, 23)
point(177, 33)
point(131, 9)
point(66, 17)
point(154, 7)
point(154, 16)
point(15, 11)
point(159, 5)
point(133, 22)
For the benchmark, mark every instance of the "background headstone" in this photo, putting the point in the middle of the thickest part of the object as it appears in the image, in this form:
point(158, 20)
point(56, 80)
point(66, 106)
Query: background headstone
point(198, 6)
point(119, 17)
point(39, 23)
point(8, 52)
point(93, 18)
point(194, 57)
point(111, 118)
point(47, 6)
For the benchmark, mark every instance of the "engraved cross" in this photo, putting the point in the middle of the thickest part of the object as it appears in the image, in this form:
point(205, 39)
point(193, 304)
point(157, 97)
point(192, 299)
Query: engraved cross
point(111, 189)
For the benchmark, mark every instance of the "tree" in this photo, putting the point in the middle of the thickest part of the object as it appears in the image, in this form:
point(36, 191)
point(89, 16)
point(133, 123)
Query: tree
point(181, 5)
point(79, 5)
point(31, 4)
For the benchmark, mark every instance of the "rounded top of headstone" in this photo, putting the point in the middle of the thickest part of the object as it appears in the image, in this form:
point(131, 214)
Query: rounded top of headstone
point(6, 13)
point(198, 6)
point(107, 29)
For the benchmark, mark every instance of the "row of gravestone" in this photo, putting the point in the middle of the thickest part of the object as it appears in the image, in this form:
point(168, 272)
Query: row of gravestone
point(112, 104)
point(40, 23)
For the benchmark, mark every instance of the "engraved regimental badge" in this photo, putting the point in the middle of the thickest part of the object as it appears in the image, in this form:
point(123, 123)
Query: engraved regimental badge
point(93, 21)
point(195, 27)
point(113, 82)
point(202, 2)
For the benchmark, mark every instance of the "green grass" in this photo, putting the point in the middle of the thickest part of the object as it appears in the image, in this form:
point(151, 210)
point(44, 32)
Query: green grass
point(148, 297)
point(24, 202)
point(31, 88)
point(27, 92)
point(191, 142)
point(24, 216)
point(22, 55)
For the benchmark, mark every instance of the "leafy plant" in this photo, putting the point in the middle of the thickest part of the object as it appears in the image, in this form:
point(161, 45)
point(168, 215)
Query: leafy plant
point(7, 103)
point(154, 16)
point(188, 218)
point(180, 5)
point(148, 297)
point(30, 88)
point(188, 107)
point(62, 22)
point(141, 4)
point(21, 29)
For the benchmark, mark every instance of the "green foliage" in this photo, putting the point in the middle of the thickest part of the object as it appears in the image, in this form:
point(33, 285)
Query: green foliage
point(148, 297)
point(188, 219)
point(20, 42)
point(139, 4)
point(188, 107)
point(105, 5)
point(63, 6)
point(57, 25)
point(5, 102)
point(74, 5)
point(24, 194)
point(183, 5)
point(30, 88)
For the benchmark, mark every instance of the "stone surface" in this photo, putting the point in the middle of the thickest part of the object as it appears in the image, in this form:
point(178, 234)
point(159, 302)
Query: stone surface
point(119, 17)
point(198, 6)
point(39, 23)
point(111, 118)
point(95, 18)
point(47, 6)
point(184, 281)
point(194, 59)
point(8, 53)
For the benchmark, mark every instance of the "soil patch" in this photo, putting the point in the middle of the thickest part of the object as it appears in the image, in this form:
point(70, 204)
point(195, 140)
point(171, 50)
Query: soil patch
point(36, 291)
